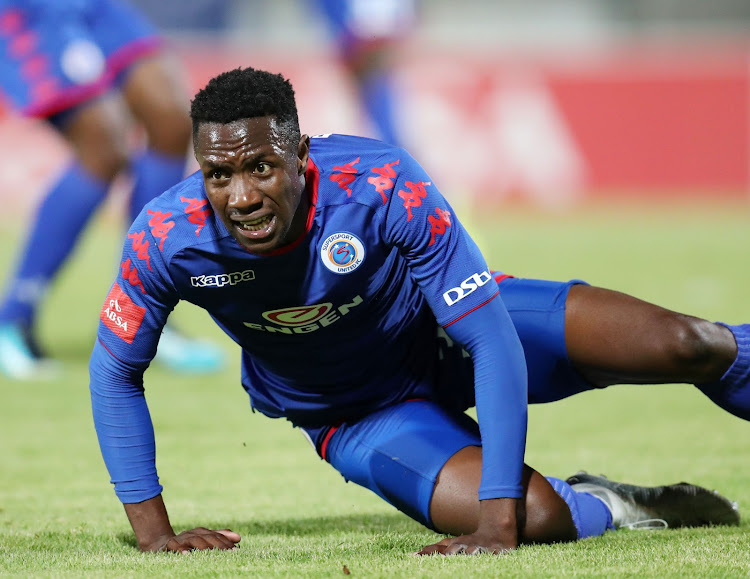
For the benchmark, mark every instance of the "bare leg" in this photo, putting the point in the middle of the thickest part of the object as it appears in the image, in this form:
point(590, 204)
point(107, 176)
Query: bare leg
point(159, 100)
point(98, 134)
point(613, 338)
point(454, 507)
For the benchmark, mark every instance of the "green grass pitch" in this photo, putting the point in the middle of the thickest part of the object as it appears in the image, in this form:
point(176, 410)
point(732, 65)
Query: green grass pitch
point(223, 466)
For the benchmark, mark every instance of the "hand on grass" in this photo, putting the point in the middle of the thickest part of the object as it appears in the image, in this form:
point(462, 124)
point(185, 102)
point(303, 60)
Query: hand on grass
point(196, 540)
point(153, 531)
point(496, 533)
point(466, 545)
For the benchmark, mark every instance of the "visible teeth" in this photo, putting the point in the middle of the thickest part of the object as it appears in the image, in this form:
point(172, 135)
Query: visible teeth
point(256, 224)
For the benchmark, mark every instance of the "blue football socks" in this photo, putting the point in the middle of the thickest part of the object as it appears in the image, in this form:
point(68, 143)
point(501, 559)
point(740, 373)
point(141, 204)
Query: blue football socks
point(590, 515)
point(59, 221)
point(732, 391)
point(153, 173)
point(378, 99)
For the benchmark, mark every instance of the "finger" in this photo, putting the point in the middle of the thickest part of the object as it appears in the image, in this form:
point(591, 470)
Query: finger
point(475, 550)
point(455, 549)
point(217, 540)
point(196, 542)
point(231, 535)
point(431, 549)
point(174, 546)
point(222, 539)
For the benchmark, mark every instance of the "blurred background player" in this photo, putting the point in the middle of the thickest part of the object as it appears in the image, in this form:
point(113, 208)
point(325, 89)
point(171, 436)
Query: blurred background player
point(89, 67)
point(366, 33)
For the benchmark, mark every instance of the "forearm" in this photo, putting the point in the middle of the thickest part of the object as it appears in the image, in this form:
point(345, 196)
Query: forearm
point(501, 406)
point(501, 396)
point(150, 523)
point(123, 426)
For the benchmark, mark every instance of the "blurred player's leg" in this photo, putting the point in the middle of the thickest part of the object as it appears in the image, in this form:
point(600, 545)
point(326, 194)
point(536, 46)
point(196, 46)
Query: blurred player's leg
point(88, 48)
point(158, 99)
point(97, 133)
point(366, 33)
point(376, 88)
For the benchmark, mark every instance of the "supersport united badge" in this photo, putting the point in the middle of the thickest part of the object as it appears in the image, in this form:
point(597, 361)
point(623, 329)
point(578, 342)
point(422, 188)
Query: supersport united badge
point(342, 253)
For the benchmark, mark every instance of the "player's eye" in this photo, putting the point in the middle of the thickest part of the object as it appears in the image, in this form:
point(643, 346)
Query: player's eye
point(217, 174)
point(262, 168)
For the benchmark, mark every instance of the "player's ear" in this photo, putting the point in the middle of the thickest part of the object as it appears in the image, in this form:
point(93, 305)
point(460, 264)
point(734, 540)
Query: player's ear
point(303, 151)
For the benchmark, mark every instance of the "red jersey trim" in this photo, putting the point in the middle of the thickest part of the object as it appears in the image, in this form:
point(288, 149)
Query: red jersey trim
point(472, 309)
point(312, 176)
point(326, 440)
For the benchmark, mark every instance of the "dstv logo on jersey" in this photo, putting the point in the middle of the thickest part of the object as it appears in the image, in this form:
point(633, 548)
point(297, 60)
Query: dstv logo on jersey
point(468, 286)
point(222, 279)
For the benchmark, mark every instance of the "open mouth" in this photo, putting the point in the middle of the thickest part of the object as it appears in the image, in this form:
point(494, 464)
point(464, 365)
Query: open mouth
point(255, 230)
point(256, 224)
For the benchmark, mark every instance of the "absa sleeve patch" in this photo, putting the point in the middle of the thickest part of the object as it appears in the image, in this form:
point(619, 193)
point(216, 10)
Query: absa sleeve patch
point(121, 315)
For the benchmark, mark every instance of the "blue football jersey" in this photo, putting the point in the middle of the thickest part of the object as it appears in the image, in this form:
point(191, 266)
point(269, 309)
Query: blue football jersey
point(339, 323)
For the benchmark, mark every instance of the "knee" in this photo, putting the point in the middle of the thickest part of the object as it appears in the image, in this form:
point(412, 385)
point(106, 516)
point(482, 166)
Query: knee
point(104, 158)
point(698, 345)
point(98, 133)
point(169, 130)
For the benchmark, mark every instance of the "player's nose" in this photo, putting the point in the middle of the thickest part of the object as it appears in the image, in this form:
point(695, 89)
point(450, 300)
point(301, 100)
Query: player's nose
point(244, 196)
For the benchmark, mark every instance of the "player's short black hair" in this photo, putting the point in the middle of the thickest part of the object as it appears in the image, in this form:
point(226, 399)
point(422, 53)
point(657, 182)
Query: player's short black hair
point(245, 93)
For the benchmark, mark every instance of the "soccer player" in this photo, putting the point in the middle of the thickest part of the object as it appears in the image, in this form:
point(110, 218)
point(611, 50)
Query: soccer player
point(87, 67)
point(368, 318)
point(366, 33)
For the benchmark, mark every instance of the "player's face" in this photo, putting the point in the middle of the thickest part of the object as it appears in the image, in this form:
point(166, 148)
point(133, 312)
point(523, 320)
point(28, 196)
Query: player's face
point(255, 181)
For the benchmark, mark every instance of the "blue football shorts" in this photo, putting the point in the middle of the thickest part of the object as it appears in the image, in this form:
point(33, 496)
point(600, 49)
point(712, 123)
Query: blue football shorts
point(398, 452)
point(55, 57)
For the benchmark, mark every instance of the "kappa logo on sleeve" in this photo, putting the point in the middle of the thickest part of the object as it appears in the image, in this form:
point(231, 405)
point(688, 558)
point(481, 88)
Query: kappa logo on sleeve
point(197, 212)
point(413, 195)
point(384, 181)
point(140, 246)
point(345, 176)
point(439, 224)
point(160, 226)
point(121, 315)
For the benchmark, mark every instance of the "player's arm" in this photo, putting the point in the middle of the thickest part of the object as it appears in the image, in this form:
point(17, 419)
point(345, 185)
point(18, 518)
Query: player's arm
point(131, 321)
point(501, 401)
point(454, 278)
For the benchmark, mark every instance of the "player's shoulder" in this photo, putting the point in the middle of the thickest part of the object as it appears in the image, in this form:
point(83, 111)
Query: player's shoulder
point(335, 149)
point(179, 218)
point(358, 170)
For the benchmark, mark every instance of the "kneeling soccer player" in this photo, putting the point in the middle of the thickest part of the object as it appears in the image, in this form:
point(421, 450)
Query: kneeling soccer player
point(369, 319)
